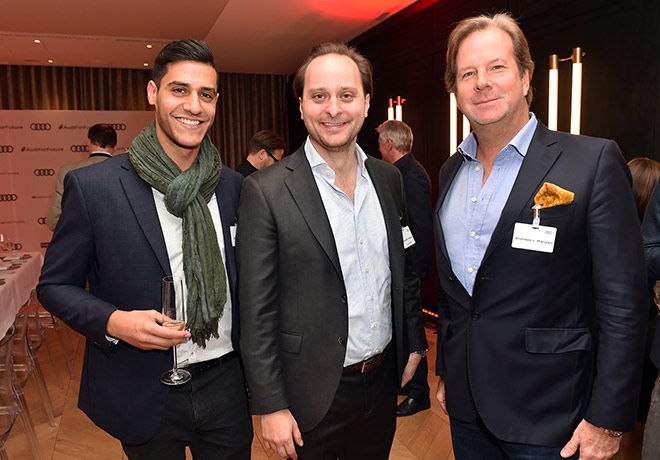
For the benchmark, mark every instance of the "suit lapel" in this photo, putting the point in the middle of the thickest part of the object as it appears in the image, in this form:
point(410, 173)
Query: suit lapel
point(445, 180)
point(302, 186)
point(141, 200)
point(542, 153)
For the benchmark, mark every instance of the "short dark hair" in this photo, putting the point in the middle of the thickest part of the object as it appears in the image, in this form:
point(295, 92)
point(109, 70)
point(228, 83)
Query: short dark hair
point(102, 135)
point(504, 22)
point(267, 140)
point(342, 49)
point(182, 50)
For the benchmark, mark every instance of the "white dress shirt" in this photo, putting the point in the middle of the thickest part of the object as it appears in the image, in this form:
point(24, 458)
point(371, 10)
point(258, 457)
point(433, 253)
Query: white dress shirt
point(361, 239)
point(188, 352)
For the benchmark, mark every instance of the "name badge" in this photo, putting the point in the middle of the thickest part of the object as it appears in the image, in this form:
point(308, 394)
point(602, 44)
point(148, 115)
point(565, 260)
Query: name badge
point(232, 232)
point(534, 238)
point(408, 239)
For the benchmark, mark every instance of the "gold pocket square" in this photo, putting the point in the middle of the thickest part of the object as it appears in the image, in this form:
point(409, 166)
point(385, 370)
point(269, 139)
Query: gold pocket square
point(552, 195)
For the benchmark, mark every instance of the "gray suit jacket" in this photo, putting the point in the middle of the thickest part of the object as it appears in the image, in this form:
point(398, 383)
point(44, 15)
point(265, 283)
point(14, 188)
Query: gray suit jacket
point(294, 315)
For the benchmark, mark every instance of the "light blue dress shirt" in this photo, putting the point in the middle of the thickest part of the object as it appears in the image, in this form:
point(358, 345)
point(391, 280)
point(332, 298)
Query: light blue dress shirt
point(470, 212)
point(360, 236)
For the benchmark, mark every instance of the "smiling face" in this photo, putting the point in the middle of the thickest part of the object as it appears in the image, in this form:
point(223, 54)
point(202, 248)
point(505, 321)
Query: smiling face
point(489, 87)
point(185, 108)
point(333, 104)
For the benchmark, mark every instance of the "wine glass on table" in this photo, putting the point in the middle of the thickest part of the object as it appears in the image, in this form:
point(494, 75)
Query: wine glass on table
point(172, 300)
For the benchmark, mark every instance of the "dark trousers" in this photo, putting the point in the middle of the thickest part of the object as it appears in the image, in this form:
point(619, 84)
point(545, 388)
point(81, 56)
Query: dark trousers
point(473, 441)
point(209, 414)
point(361, 421)
point(418, 387)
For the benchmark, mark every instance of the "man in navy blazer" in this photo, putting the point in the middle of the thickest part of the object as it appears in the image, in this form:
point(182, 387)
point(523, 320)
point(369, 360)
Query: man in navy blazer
point(395, 143)
point(119, 231)
point(540, 346)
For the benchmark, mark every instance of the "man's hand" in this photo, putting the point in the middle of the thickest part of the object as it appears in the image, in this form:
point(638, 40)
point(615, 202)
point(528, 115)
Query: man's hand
point(142, 329)
point(280, 430)
point(440, 394)
point(593, 442)
point(413, 361)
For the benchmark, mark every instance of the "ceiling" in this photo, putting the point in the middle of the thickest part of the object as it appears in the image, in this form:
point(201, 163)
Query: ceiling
point(246, 36)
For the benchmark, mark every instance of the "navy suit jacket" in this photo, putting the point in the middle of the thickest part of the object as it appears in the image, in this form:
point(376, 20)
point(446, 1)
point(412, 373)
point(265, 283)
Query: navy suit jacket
point(110, 234)
point(418, 199)
point(548, 339)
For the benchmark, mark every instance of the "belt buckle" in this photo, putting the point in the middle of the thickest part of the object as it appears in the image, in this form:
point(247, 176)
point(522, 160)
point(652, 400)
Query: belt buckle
point(364, 364)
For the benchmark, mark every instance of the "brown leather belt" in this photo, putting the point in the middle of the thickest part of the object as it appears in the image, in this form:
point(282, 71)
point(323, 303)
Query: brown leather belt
point(368, 365)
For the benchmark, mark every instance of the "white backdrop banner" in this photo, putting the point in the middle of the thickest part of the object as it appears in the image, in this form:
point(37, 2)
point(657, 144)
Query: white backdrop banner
point(34, 144)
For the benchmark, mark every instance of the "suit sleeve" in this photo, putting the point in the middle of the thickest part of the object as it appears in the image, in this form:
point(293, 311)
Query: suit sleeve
point(619, 291)
point(257, 257)
point(69, 258)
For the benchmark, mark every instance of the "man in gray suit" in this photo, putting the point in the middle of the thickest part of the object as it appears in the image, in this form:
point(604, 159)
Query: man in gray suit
point(101, 143)
point(329, 315)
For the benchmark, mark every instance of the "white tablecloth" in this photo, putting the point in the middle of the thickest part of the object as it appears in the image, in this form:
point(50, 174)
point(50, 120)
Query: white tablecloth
point(19, 283)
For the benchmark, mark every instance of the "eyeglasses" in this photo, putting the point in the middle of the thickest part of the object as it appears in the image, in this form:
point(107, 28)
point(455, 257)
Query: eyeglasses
point(272, 156)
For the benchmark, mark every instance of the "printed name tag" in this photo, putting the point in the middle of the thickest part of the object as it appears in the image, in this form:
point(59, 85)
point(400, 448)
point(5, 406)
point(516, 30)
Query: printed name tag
point(232, 232)
point(408, 239)
point(531, 238)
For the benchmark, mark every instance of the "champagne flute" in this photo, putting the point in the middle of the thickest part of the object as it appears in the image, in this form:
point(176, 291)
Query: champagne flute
point(172, 300)
point(5, 243)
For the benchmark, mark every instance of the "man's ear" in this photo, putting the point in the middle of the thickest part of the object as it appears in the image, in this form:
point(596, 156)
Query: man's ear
point(152, 91)
point(300, 108)
point(367, 104)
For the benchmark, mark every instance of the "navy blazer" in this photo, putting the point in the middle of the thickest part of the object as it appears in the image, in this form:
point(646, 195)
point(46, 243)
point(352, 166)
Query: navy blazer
point(548, 339)
point(418, 199)
point(110, 234)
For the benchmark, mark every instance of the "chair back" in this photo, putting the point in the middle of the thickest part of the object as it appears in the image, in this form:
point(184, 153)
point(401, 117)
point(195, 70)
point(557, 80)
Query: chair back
point(8, 407)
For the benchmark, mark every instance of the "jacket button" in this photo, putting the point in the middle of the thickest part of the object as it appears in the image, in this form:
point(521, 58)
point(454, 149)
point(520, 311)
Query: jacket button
point(342, 341)
point(475, 316)
point(343, 299)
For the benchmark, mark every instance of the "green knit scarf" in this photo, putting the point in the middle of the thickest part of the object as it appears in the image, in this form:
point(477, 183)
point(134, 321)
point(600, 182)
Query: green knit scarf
point(186, 195)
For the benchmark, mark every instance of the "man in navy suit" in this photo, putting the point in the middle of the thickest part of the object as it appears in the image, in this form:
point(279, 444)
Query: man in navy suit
point(164, 208)
point(395, 143)
point(540, 346)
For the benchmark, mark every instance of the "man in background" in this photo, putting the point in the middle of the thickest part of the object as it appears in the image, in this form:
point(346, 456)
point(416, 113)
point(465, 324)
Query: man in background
point(539, 254)
point(167, 207)
point(395, 142)
point(266, 148)
point(101, 143)
point(330, 317)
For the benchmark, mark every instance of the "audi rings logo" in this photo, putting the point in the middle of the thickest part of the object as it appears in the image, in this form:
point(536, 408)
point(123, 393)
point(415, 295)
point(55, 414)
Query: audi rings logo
point(78, 148)
point(8, 197)
point(44, 172)
point(40, 126)
point(118, 126)
point(18, 246)
point(6, 148)
point(41, 221)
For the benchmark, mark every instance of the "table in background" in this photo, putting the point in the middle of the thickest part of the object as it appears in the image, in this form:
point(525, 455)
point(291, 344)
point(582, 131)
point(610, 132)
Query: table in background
point(18, 286)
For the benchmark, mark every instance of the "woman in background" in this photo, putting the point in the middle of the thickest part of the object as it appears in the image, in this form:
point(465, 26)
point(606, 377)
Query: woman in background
point(645, 174)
